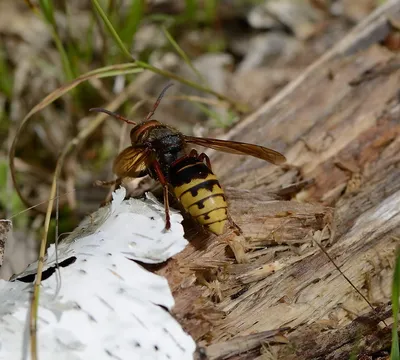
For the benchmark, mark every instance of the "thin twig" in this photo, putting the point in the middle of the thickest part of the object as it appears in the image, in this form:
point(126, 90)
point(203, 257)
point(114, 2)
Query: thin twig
point(344, 276)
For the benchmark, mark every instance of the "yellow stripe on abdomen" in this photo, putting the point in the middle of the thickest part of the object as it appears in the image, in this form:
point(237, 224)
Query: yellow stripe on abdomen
point(181, 189)
point(205, 201)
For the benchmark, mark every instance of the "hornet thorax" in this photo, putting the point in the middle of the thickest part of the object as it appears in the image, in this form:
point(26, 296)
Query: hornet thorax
point(166, 143)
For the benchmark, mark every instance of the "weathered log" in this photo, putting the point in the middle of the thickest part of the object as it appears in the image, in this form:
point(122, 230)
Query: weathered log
point(337, 124)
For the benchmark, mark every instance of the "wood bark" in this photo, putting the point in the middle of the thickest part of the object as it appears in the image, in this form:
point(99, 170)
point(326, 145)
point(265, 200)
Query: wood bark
point(338, 126)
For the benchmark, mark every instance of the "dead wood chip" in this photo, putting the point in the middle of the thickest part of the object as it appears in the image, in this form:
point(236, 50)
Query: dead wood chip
point(295, 188)
point(254, 86)
point(376, 71)
point(363, 334)
point(242, 344)
point(261, 272)
point(347, 165)
point(238, 248)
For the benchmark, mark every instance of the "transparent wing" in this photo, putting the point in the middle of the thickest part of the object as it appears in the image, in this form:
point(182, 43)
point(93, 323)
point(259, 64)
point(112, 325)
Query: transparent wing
point(131, 162)
point(240, 148)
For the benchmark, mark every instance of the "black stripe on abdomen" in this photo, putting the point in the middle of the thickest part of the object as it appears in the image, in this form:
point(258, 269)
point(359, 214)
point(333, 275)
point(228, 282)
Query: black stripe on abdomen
point(187, 170)
point(207, 185)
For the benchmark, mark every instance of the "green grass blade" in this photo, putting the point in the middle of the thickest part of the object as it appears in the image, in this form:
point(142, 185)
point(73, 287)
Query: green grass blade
point(182, 54)
point(162, 18)
point(239, 107)
point(132, 21)
point(111, 29)
point(394, 354)
point(211, 114)
point(69, 74)
point(47, 9)
point(6, 78)
point(111, 7)
point(88, 49)
point(108, 71)
point(210, 9)
point(122, 69)
point(190, 10)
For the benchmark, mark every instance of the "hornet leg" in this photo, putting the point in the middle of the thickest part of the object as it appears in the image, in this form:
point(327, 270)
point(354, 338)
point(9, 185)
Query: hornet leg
point(164, 184)
point(193, 153)
point(203, 157)
point(237, 230)
point(113, 184)
point(101, 183)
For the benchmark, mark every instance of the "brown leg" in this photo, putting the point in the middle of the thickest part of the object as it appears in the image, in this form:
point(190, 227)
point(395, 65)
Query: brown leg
point(193, 153)
point(203, 157)
point(164, 184)
point(113, 184)
point(101, 183)
point(237, 230)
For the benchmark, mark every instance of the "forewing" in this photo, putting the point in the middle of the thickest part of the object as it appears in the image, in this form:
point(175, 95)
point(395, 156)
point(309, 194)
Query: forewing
point(235, 147)
point(131, 162)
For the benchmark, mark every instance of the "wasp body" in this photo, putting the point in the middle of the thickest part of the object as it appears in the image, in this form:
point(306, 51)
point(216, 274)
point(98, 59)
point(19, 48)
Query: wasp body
point(161, 151)
point(200, 193)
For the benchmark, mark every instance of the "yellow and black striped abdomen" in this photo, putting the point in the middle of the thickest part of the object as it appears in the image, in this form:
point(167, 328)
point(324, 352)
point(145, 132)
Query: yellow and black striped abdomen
point(200, 193)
